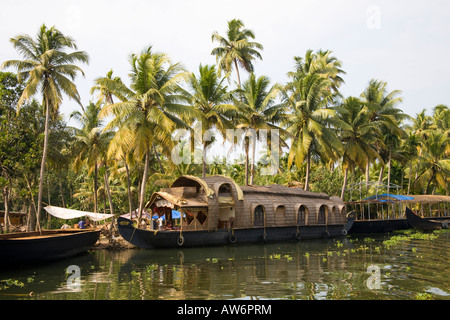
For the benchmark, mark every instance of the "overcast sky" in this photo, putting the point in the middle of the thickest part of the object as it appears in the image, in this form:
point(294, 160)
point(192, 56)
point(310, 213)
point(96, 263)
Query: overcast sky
point(405, 43)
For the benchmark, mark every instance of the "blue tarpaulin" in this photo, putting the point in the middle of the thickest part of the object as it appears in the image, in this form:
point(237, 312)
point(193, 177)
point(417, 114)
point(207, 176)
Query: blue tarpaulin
point(175, 215)
point(389, 197)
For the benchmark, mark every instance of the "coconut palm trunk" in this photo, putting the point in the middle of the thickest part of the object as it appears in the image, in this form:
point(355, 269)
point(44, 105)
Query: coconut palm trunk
point(246, 146)
point(44, 159)
point(108, 192)
point(344, 185)
point(6, 216)
point(237, 73)
point(143, 185)
point(252, 164)
point(130, 196)
point(308, 167)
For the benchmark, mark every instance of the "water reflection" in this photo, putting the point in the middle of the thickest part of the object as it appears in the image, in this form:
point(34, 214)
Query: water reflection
point(325, 269)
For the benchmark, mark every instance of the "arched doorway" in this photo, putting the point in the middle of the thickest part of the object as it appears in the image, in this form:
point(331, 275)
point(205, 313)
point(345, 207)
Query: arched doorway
point(258, 216)
point(322, 216)
point(226, 206)
point(302, 215)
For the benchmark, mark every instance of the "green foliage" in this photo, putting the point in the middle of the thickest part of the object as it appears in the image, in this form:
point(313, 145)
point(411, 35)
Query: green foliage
point(324, 180)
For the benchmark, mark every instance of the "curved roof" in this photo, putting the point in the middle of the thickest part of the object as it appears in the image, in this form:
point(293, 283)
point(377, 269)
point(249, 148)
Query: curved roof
point(207, 183)
point(180, 202)
point(183, 180)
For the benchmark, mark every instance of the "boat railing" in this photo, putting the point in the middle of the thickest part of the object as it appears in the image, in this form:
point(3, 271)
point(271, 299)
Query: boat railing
point(395, 209)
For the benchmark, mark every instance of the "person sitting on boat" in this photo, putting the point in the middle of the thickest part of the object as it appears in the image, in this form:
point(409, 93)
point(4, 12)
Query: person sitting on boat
point(160, 223)
point(87, 223)
point(82, 224)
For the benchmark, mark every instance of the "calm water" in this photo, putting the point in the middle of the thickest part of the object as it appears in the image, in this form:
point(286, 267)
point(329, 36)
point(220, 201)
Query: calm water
point(394, 266)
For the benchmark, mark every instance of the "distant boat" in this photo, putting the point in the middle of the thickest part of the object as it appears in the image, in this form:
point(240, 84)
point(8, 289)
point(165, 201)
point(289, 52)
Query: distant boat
point(47, 245)
point(215, 211)
point(420, 223)
point(386, 212)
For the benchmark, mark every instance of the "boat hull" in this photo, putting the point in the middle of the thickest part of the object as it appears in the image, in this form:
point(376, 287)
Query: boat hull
point(32, 247)
point(423, 224)
point(150, 239)
point(379, 226)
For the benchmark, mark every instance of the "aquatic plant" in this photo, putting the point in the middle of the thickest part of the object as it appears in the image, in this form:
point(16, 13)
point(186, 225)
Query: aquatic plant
point(151, 267)
point(423, 296)
point(12, 282)
point(408, 236)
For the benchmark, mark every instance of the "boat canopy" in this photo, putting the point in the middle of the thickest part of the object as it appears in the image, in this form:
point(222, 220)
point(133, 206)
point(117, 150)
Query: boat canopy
point(164, 199)
point(389, 197)
point(63, 213)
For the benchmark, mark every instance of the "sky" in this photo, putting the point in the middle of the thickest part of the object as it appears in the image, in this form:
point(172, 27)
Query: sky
point(405, 43)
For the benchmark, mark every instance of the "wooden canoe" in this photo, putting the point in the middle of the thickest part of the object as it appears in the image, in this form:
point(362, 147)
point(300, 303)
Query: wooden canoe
point(417, 222)
point(47, 245)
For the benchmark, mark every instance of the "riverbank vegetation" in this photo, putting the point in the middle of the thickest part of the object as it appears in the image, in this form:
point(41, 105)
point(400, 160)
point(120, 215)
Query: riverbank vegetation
point(121, 151)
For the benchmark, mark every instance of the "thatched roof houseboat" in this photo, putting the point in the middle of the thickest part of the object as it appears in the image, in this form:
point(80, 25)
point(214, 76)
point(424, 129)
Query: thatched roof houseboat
point(216, 211)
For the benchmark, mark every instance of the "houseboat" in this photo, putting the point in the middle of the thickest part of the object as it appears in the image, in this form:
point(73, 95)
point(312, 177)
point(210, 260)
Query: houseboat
point(216, 211)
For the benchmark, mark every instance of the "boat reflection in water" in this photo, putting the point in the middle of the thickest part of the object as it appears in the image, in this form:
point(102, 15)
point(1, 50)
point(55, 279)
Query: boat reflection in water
point(329, 269)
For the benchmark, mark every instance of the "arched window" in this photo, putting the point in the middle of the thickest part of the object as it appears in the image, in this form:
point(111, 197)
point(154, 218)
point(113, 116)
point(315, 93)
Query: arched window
point(259, 216)
point(321, 218)
point(334, 217)
point(301, 217)
point(280, 212)
point(225, 190)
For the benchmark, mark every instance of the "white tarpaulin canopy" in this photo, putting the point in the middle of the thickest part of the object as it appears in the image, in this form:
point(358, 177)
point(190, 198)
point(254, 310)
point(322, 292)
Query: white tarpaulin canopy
point(67, 214)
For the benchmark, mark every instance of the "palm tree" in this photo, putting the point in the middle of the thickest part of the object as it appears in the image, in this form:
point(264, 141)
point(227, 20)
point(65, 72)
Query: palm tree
point(308, 121)
point(422, 124)
point(382, 107)
point(434, 164)
point(357, 135)
point(236, 48)
point(105, 96)
point(321, 63)
point(151, 110)
point(441, 118)
point(46, 68)
point(411, 144)
point(120, 147)
point(90, 142)
point(257, 110)
point(211, 101)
